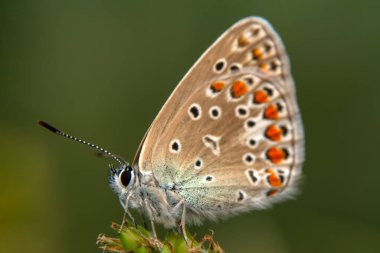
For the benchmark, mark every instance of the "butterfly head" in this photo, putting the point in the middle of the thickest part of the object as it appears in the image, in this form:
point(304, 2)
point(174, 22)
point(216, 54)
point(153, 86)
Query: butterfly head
point(122, 179)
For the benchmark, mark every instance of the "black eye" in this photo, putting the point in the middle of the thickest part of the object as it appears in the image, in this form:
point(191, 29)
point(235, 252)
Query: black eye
point(125, 177)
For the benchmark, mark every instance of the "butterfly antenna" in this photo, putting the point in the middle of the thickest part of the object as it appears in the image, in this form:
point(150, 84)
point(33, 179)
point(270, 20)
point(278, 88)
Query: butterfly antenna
point(120, 160)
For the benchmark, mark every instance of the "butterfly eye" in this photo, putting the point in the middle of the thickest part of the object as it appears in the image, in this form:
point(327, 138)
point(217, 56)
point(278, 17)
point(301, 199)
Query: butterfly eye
point(125, 177)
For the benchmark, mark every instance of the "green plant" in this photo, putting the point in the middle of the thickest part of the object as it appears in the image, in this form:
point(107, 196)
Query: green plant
point(136, 239)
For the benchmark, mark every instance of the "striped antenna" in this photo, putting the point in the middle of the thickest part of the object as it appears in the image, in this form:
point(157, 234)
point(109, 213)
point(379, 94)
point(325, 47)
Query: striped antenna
point(101, 150)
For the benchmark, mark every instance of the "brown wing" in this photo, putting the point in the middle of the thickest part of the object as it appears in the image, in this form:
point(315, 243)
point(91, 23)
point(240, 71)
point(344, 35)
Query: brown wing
point(233, 119)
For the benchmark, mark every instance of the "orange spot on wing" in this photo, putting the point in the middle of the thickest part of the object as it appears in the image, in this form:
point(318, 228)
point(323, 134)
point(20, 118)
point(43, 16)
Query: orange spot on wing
point(261, 97)
point(272, 193)
point(273, 133)
point(264, 67)
point(238, 89)
point(217, 86)
point(276, 155)
point(271, 112)
point(257, 54)
point(242, 41)
point(273, 179)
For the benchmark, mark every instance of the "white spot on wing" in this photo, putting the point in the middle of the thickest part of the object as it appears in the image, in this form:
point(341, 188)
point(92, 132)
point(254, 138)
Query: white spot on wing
point(251, 80)
point(251, 142)
point(195, 111)
point(242, 111)
point(208, 178)
point(220, 65)
point(215, 112)
point(250, 124)
point(198, 164)
point(235, 67)
point(212, 142)
point(253, 176)
point(175, 146)
point(241, 195)
point(249, 158)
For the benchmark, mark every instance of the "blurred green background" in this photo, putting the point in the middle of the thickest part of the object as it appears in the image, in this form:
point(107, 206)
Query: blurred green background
point(101, 70)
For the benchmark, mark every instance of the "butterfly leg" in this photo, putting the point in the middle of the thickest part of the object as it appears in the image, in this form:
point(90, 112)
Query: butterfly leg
point(126, 213)
point(175, 210)
point(153, 229)
point(183, 223)
point(149, 213)
point(149, 208)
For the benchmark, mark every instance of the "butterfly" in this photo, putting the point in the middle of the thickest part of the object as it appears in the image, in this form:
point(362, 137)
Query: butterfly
point(228, 140)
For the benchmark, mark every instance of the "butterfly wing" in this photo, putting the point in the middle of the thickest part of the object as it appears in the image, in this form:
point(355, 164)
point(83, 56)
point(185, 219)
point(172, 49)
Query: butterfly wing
point(230, 135)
